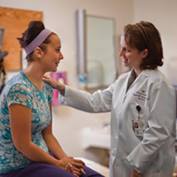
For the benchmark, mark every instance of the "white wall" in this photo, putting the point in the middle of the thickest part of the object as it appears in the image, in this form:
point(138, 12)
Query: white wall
point(59, 15)
point(163, 13)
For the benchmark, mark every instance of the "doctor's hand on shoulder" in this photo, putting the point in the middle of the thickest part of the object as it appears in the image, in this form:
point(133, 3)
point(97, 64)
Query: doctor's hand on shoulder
point(55, 84)
point(135, 173)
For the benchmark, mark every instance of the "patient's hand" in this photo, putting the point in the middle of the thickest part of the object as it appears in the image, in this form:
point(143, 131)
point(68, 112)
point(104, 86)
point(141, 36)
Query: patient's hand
point(75, 166)
point(135, 173)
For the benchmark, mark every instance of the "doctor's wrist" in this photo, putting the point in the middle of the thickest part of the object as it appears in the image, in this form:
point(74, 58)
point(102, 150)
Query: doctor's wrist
point(61, 88)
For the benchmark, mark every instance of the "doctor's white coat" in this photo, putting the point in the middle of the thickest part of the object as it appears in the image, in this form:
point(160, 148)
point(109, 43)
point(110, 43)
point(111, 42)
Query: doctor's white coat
point(149, 99)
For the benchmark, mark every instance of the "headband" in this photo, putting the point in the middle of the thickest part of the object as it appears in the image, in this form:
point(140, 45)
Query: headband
point(40, 38)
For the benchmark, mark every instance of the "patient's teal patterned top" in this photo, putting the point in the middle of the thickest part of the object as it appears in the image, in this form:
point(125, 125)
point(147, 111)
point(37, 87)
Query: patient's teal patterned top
point(20, 90)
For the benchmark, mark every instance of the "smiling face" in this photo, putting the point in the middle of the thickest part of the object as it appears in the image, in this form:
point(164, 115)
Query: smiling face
point(131, 56)
point(52, 55)
point(122, 51)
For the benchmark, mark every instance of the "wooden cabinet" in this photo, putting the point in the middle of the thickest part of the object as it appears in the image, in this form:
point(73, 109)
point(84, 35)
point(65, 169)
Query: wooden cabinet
point(14, 22)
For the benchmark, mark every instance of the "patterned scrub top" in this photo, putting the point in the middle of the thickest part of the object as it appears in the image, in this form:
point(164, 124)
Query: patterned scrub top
point(20, 90)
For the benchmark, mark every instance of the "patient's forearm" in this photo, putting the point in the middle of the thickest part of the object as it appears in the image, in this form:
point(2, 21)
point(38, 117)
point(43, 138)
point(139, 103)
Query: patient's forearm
point(34, 153)
point(54, 147)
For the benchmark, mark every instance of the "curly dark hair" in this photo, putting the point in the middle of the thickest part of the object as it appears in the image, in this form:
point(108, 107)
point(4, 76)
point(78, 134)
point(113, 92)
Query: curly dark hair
point(144, 35)
point(34, 28)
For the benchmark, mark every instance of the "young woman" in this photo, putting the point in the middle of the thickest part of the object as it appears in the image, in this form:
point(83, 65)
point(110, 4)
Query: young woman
point(28, 147)
point(142, 105)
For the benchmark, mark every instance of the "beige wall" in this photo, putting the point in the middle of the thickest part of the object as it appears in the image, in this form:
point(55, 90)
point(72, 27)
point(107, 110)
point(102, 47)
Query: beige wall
point(163, 13)
point(59, 15)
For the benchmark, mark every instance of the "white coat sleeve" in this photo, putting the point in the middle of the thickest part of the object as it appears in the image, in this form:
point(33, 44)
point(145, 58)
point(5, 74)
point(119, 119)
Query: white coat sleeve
point(161, 122)
point(99, 101)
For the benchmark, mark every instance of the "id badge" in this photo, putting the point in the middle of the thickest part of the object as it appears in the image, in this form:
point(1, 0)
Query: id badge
point(138, 127)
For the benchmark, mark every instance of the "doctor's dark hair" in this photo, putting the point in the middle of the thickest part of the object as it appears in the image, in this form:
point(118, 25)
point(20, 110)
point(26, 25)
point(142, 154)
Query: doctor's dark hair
point(144, 35)
point(34, 28)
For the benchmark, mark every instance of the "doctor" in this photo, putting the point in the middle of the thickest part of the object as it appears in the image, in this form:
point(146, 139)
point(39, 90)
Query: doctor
point(142, 106)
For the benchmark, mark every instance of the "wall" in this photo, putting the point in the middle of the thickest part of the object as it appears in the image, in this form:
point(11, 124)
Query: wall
point(59, 15)
point(163, 14)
